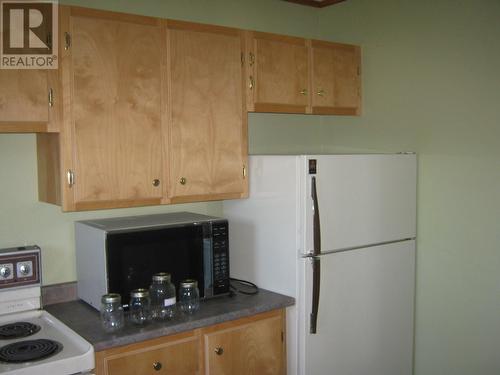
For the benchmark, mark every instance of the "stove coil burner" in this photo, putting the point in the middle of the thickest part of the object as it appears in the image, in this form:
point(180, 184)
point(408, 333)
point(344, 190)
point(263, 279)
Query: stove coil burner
point(29, 350)
point(17, 330)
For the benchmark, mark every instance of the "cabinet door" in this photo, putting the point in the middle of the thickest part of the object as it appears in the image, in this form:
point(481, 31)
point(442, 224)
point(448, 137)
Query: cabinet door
point(115, 77)
point(247, 347)
point(24, 102)
point(172, 356)
point(278, 77)
point(207, 144)
point(336, 79)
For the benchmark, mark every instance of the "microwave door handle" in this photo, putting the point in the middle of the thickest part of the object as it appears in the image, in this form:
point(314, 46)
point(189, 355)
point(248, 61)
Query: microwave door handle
point(316, 222)
point(316, 266)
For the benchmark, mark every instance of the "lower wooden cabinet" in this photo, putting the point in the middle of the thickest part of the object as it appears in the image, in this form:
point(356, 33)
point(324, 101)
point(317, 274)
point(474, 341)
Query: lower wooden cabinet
point(253, 346)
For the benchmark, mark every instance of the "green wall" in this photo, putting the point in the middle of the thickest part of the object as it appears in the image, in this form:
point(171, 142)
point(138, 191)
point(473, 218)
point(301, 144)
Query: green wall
point(430, 84)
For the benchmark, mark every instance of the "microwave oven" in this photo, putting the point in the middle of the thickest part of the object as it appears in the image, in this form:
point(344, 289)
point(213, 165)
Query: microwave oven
point(117, 255)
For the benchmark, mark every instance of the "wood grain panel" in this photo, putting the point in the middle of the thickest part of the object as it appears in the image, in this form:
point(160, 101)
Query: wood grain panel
point(116, 109)
point(252, 347)
point(336, 78)
point(179, 354)
point(23, 97)
point(281, 74)
point(206, 122)
point(49, 172)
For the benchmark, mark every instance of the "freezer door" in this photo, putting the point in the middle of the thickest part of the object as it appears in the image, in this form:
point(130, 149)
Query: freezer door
point(362, 199)
point(365, 317)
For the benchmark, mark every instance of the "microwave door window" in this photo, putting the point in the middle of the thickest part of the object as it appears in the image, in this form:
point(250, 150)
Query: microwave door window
point(133, 257)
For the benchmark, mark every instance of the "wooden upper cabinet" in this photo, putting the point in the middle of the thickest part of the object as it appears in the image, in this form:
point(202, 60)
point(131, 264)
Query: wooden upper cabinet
point(113, 121)
point(277, 78)
point(207, 144)
point(25, 100)
point(254, 347)
point(336, 81)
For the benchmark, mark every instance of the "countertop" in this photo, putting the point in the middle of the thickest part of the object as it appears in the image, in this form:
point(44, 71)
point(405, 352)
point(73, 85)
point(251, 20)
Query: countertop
point(85, 320)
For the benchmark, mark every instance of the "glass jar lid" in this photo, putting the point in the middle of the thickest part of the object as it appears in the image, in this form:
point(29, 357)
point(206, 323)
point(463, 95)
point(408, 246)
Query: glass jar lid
point(189, 283)
point(139, 293)
point(162, 276)
point(111, 298)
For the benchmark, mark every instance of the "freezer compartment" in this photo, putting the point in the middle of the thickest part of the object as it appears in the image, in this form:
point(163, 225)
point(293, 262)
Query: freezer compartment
point(365, 315)
point(362, 200)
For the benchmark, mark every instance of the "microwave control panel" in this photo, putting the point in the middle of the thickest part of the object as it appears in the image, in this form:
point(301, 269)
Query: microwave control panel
point(221, 257)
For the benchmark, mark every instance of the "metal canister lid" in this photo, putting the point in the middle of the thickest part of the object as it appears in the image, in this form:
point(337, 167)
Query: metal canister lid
point(189, 283)
point(111, 298)
point(162, 276)
point(139, 293)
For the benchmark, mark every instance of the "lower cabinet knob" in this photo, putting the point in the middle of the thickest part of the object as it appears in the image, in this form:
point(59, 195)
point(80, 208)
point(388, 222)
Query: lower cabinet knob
point(156, 182)
point(157, 366)
point(219, 350)
point(183, 181)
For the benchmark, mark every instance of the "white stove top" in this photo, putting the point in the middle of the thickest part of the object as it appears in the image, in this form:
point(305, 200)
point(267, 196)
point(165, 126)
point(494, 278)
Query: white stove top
point(76, 356)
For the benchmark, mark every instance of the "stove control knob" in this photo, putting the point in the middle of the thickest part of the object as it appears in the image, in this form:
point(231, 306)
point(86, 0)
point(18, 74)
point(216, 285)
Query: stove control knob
point(4, 272)
point(25, 269)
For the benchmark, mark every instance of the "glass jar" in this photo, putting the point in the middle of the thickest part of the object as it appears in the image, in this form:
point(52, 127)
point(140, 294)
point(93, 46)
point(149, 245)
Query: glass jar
point(162, 293)
point(189, 296)
point(111, 312)
point(140, 306)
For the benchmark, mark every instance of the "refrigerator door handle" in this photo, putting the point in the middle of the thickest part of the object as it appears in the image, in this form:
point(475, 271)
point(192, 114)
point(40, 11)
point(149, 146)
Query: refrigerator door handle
point(316, 222)
point(315, 294)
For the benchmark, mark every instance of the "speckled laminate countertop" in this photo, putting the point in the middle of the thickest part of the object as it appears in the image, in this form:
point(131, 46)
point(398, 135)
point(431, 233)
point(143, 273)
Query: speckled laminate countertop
point(85, 320)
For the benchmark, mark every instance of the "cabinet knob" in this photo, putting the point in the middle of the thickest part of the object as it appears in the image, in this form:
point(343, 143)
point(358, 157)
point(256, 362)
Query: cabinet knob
point(183, 181)
point(251, 83)
point(157, 366)
point(321, 93)
point(219, 350)
point(303, 92)
point(156, 182)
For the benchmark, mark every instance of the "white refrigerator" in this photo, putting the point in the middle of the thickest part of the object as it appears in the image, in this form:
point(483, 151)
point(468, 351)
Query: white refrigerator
point(337, 232)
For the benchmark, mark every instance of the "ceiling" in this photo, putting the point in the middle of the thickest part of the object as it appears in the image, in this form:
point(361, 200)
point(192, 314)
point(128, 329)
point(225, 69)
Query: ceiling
point(316, 3)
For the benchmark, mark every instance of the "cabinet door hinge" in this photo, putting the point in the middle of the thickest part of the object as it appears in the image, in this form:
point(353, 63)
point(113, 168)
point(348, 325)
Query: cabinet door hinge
point(244, 171)
point(282, 336)
point(67, 41)
point(51, 97)
point(251, 59)
point(242, 59)
point(70, 177)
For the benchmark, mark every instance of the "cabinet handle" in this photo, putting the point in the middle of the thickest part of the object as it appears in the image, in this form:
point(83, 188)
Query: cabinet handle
point(303, 92)
point(67, 41)
point(70, 176)
point(252, 83)
point(157, 366)
point(321, 93)
point(51, 97)
point(156, 182)
point(183, 181)
point(219, 350)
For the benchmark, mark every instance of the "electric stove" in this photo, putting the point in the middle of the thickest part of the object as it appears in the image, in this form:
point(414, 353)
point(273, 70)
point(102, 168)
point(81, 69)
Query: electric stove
point(31, 340)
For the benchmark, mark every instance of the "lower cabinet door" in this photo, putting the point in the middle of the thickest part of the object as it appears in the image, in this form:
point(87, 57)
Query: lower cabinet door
point(253, 347)
point(180, 357)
